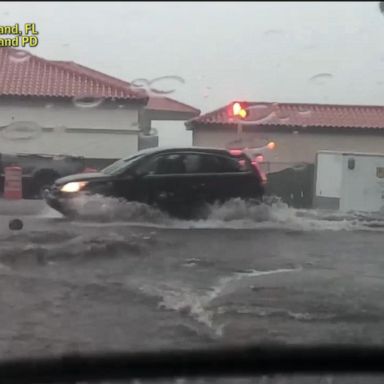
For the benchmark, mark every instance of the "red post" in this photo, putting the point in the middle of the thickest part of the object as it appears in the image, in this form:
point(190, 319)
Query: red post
point(13, 185)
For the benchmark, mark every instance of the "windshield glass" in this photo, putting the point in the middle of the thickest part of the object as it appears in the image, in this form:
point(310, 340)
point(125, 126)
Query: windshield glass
point(120, 166)
point(199, 247)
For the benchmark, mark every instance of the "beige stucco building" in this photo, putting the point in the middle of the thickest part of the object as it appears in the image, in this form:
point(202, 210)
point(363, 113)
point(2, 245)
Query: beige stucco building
point(299, 130)
point(63, 108)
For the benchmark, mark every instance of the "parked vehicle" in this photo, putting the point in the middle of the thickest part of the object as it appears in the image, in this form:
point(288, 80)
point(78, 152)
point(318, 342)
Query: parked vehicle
point(357, 181)
point(180, 181)
point(40, 171)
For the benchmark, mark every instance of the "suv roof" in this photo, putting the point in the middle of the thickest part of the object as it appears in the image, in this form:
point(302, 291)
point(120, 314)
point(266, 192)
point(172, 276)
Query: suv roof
point(184, 149)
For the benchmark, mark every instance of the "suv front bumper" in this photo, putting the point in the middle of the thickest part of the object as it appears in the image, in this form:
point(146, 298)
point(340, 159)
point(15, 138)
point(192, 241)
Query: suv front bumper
point(61, 203)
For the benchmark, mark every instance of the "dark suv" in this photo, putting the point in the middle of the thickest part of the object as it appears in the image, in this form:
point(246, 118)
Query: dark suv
point(180, 181)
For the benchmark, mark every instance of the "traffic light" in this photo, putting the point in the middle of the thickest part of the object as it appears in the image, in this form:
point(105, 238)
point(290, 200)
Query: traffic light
point(238, 110)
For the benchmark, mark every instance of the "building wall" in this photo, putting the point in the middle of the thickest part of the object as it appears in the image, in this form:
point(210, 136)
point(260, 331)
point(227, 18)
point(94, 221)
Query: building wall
point(292, 147)
point(86, 144)
point(103, 131)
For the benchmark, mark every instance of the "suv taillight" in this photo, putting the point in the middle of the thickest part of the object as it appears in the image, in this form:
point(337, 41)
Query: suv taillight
point(263, 176)
point(235, 152)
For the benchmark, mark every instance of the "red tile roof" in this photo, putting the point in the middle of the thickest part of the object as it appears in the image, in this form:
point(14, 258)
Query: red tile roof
point(24, 74)
point(166, 104)
point(155, 103)
point(299, 115)
point(92, 72)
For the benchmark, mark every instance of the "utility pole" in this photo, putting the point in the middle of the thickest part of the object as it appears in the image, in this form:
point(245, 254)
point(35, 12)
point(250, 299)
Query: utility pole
point(238, 111)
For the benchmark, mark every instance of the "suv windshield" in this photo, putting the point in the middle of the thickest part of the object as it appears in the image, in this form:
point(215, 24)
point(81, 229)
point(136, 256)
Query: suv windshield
point(119, 166)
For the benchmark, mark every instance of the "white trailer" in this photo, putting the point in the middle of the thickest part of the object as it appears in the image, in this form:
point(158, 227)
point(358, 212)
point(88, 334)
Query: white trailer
point(349, 181)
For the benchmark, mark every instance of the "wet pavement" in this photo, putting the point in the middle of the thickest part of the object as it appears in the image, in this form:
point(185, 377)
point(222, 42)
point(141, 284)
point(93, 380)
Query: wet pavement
point(247, 274)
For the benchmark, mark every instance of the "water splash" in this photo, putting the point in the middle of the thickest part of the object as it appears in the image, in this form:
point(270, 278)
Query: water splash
point(241, 214)
point(256, 311)
point(183, 299)
point(32, 247)
point(50, 213)
point(108, 209)
point(237, 213)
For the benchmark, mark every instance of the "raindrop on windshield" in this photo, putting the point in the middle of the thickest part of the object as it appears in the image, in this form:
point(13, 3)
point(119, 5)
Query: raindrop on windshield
point(18, 57)
point(261, 113)
point(140, 83)
point(160, 85)
point(87, 102)
point(273, 32)
point(259, 107)
point(249, 142)
point(304, 112)
point(279, 113)
point(321, 78)
point(21, 130)
point(206, 92)
point(49, 105)
point(165, 84)
point(264, 112)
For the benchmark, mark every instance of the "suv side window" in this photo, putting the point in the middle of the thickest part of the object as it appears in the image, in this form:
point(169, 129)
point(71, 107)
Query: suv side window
point(230, 165)
point(205, 163)
point(201, 163)
point(240, 164)
point(163, 165)
point(192, 163)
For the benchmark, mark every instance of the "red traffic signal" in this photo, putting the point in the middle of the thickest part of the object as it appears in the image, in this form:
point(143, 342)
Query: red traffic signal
point(238, 109)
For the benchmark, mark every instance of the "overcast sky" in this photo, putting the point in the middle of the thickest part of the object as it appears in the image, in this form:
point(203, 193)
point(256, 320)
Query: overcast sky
point(283, 52)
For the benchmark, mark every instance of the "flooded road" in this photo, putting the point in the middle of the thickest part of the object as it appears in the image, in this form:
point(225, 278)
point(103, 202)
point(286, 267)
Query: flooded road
point(265, 274)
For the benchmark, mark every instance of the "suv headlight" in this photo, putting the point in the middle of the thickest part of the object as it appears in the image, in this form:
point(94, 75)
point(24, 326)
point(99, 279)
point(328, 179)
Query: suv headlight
point(74, 186)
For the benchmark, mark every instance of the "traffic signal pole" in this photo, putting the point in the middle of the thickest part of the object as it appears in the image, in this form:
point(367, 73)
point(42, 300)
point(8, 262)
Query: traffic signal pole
point(237, 111)
point(239, 130)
